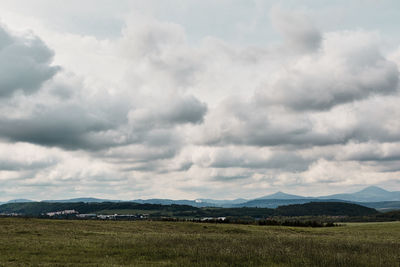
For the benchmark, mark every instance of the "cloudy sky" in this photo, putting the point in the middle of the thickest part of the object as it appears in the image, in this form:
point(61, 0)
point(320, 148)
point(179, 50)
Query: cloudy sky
point(189, 99)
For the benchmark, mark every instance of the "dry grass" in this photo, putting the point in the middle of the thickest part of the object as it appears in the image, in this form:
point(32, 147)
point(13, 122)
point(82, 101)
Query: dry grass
point(33, 242)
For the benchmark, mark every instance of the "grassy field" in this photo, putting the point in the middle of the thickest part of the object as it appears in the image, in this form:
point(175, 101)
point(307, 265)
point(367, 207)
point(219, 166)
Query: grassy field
point(34, 242)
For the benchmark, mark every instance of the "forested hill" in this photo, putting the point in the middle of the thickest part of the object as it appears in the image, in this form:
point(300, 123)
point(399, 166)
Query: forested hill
point(37, 208)
point(156, 210)
point(325, 208)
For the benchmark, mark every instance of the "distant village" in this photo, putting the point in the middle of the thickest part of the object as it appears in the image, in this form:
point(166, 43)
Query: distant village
point(73, 214)
point(76, 214)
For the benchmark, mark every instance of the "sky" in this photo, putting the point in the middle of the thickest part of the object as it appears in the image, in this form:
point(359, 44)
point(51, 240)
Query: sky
point(188, 99)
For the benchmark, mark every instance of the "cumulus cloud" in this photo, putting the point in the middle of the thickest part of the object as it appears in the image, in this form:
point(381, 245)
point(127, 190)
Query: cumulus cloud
point(149, 111)
point(186, 109)
point(25, 63)
point(299, 33)
point(348, 67)
point(72, 112)
point(246, 123)
point(80, 120)
point(66, 127)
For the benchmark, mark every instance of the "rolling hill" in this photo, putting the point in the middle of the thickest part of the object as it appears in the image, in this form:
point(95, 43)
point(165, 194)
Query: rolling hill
point(187, 211)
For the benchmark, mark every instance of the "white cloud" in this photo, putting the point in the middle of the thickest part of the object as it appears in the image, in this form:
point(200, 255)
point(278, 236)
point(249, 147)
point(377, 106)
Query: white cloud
point(298, 31)
point(348, 67)
point(25, 63)
point(149, 113)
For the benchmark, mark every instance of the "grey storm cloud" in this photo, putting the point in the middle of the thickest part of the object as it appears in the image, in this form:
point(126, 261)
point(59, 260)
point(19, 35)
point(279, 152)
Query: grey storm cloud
point(69, 127)
point(173, 111)
point(25, 63)
point(186, 110)
point(74, 126)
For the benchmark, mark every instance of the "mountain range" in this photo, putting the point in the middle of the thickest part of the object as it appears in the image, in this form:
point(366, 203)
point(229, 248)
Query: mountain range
point(368, 194)
point(371, 196)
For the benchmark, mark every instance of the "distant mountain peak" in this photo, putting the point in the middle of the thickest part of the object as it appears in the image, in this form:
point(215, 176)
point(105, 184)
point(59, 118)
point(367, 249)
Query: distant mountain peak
point(374, 190)
point(281, 195)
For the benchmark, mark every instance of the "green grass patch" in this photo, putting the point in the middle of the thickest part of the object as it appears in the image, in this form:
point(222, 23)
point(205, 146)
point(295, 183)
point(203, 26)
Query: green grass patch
point(35, 242)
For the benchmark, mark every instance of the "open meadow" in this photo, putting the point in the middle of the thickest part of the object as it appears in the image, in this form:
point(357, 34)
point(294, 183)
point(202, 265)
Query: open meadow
point(35, 242)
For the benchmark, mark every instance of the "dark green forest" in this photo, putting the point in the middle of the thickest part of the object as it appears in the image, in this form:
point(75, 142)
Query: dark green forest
point(186, 211)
